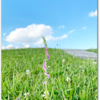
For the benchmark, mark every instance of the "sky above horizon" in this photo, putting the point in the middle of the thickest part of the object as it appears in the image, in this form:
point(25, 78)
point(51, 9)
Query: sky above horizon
point(72, 24)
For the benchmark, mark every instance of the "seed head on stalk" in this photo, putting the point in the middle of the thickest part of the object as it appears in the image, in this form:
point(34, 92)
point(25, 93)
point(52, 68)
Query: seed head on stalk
point(44, 41)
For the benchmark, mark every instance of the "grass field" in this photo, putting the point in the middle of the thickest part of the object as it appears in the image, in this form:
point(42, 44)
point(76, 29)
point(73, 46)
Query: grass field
point(92, 50)
point(76, 79)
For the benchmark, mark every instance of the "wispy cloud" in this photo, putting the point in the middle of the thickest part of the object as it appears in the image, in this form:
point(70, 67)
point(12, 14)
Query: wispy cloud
point(62, 26)
point(84, 28)
point(11, 46)
point(50, 38)
point(4, 34)
point(26, 46)
point(64, 36)
point(72, 31)
point(91, 14)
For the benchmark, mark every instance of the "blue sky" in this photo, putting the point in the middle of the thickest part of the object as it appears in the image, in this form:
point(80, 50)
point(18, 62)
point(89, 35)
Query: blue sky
point(72, 24)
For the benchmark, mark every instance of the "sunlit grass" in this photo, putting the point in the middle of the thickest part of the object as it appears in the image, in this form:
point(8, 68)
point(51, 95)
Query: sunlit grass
point(93, 50)
point(15, 65)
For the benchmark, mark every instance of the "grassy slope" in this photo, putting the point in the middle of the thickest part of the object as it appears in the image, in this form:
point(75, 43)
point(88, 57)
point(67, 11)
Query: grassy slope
point(92, 50)
point(15, 81)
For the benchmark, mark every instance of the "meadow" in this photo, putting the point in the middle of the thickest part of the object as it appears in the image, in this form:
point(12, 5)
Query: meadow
point(93, 50)
point(22, 75)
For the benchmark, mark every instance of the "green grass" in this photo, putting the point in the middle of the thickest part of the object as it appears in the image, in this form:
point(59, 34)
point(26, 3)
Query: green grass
point(15, 82)
point(93, 50)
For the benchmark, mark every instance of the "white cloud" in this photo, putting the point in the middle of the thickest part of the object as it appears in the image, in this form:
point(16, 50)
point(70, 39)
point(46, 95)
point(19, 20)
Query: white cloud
point(91, 14)
point(84, 28)
point(38, 42)
point(72, 31)
point(31, 33)
point(26, 46)
point(62, 26)
point(16, 47)
point(9, 47)
point(64, 36)
point(59, 38)
point(4, 34)
point(50, 38)
point(3, 47)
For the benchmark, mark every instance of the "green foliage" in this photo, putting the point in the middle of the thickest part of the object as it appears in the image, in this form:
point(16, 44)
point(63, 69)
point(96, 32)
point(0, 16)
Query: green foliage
point(93, 50)
point(15, 82)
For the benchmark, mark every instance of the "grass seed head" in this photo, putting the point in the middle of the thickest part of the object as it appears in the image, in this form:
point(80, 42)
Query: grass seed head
point(44, 41)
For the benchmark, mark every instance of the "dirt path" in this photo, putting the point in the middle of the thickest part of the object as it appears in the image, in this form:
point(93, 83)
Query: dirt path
point(81, 53)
